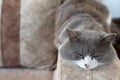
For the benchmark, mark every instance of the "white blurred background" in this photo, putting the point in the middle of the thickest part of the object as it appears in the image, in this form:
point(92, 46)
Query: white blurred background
point(113, 6)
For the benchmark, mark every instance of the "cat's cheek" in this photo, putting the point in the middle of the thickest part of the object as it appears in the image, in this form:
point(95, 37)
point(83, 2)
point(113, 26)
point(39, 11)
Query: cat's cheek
point(80, 63)
point(95, 64)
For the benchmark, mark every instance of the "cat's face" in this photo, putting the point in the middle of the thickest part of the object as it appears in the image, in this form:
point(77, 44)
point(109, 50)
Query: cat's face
point(88, 49)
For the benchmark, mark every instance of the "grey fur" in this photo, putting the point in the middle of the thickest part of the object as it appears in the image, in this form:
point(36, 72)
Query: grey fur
point(81, 29)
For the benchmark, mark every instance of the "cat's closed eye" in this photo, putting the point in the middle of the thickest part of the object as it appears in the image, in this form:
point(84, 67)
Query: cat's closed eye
point(79, 54)
point(94, 56)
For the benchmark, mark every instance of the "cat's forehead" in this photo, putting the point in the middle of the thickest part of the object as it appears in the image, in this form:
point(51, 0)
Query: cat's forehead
point(87, 41)
point(89, 35)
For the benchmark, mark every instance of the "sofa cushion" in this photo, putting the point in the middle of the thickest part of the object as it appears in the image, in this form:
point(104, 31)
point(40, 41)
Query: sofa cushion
point(26, 33)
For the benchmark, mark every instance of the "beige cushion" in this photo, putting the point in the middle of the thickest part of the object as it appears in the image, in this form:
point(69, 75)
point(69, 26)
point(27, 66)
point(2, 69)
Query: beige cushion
point(37, 49)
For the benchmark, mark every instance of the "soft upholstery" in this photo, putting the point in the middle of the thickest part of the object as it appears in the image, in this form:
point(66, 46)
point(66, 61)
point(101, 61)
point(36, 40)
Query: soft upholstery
point(0, 35)
point(36, 33)
point(27, 33)
point(25, 74)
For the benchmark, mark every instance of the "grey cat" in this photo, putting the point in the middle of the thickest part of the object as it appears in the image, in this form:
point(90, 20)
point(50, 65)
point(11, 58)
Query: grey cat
point(83, 33)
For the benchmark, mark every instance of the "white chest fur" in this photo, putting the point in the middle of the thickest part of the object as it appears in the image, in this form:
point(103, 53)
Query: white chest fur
point(88, 63)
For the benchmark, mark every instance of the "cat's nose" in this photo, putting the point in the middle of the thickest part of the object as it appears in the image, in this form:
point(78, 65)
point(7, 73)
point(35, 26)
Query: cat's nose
point(87, 65)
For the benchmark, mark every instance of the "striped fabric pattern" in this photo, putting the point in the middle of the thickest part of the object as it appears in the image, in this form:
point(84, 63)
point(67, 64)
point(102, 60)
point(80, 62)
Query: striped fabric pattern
point(20, 20)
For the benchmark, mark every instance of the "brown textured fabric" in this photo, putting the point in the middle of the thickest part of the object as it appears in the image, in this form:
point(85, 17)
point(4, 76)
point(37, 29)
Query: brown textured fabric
point(0, 34)
point(25, 74)
point(10, 32)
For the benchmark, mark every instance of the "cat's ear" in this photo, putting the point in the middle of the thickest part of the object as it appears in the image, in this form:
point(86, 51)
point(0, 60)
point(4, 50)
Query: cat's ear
point(108, 37)
point(73, 36)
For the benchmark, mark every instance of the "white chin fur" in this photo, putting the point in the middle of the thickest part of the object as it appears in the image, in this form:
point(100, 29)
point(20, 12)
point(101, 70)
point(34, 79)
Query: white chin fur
point(89, 61)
